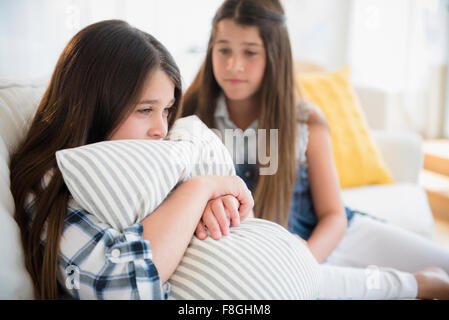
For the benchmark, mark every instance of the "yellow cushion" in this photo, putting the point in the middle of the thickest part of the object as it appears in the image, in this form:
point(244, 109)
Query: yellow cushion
point(356, 157)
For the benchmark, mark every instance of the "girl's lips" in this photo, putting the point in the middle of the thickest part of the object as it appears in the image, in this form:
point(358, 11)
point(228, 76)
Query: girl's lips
point(235, 81)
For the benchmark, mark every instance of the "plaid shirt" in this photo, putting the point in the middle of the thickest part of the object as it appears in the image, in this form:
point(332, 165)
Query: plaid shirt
point(98, 262)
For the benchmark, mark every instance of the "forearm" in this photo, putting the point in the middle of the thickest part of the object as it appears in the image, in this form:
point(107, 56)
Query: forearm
point(171, 226)
point(326, 235)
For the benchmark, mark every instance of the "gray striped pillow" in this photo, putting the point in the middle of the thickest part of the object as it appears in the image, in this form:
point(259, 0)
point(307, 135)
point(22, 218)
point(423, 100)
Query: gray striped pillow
point(122, 181)
point(257, 260)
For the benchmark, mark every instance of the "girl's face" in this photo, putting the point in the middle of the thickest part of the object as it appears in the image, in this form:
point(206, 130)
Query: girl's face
point(238, 59)
point(148, 120)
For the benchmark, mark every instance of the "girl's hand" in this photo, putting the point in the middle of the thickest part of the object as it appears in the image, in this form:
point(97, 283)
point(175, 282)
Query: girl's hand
point(239, 196)
point(235, 186)
point(218, 215)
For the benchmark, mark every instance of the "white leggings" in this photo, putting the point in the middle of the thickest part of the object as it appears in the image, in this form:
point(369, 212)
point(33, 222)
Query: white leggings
point(375, 260)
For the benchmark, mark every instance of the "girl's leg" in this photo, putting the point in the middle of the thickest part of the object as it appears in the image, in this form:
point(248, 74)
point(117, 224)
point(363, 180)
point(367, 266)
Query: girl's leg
point(361, 284)
point(369, 242)
point(361, 267)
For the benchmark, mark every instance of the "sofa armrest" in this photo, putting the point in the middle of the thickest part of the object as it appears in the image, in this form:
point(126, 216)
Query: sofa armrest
point(402, 153)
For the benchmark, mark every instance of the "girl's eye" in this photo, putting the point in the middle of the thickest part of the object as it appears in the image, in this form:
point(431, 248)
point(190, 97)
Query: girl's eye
point(250, 53)
point(224, 51)
point(145, 111)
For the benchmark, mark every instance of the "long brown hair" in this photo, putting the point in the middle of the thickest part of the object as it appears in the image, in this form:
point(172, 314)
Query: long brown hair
point(95, 85)
point(277, 101)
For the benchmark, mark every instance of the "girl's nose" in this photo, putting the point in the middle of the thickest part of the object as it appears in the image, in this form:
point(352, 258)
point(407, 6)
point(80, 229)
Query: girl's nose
point(235, 64)
point(158, 129)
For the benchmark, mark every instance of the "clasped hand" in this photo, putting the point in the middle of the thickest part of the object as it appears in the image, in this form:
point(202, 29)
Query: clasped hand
point(218, 216)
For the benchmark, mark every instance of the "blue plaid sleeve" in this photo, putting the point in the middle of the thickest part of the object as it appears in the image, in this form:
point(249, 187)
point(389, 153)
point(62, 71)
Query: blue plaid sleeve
point(98, 262)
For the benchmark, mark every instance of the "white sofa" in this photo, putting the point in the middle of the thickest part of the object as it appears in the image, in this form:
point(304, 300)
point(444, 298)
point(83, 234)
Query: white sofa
point(403, 203)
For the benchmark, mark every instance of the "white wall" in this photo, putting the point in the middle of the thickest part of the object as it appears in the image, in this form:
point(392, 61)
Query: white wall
point(400, 48)
point(394, 46)
point(33, 33)
point(446, 106)
point(319, 30)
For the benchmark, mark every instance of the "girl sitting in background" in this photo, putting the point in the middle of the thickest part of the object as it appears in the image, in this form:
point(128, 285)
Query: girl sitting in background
point(246, 82)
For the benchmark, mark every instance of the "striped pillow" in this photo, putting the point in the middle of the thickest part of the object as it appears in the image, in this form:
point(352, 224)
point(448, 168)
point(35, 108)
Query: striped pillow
point(258, 260)
point(122, 181)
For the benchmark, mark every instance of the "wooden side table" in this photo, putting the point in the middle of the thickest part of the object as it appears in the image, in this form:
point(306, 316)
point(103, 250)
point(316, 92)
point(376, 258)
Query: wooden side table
point(435, 176)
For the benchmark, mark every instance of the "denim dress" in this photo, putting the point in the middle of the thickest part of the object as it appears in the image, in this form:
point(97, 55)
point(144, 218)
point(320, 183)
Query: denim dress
point(302, 218)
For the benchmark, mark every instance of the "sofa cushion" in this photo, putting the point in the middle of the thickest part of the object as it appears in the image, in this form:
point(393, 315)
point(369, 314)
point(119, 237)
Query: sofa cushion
point(352, 144)
point(402, 204)
point(18, 104)
point(18, 101)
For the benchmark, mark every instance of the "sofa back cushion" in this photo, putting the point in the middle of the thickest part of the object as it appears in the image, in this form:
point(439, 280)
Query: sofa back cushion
point(352, 144)
point(18, 102)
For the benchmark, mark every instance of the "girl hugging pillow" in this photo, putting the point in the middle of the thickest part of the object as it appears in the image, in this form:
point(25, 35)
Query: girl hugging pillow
point(122, 181)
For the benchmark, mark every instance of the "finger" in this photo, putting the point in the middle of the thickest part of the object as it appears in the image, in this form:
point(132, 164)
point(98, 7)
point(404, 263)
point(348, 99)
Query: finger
point(234, 185)
point(231, 204)
point(219, 212)
point(246, 204)
point(211, 223)
point(200, 231)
